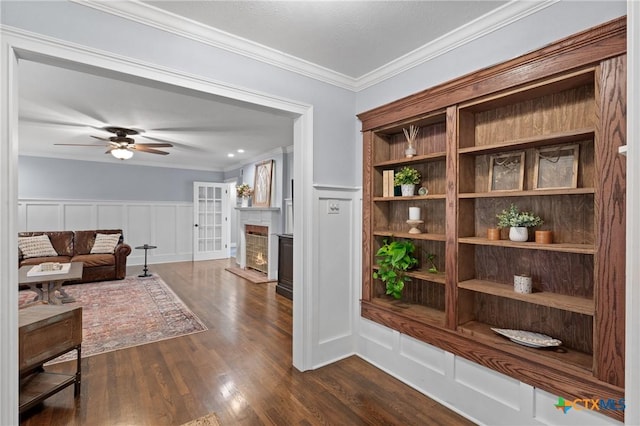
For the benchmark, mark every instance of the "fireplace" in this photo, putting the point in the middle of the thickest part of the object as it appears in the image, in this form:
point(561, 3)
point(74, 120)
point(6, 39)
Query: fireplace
point(258, 229)
point(257, 247)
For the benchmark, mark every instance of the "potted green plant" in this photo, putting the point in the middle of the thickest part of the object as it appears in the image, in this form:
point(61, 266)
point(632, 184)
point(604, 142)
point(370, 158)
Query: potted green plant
point(518, 222)
point(407, 178)
point(394, 258)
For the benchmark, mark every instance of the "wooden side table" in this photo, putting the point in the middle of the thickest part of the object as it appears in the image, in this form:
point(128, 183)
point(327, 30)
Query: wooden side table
point(46, 332)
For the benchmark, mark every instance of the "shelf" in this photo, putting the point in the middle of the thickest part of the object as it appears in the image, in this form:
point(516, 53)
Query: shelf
point(415, 312)
point(535, 141)
point(413, 160)
point(39, 386)
point(575, 304)
point(558, 247)
point(529, 193)
point(566, 357)
point(408, 236)
point(424, 275)
point(412, 198)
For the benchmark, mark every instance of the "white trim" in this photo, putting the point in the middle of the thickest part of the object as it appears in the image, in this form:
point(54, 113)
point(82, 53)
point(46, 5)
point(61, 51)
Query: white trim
point(16, 45)
point(479, 27)
point(178, 25)
point(149, 15)
point(39, 48)
point(303, 247)
point(8, 235)
point(329, 187)
point(632, 333)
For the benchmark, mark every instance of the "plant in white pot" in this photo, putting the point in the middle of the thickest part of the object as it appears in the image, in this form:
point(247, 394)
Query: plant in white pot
point(407, 178)
point(518, 222)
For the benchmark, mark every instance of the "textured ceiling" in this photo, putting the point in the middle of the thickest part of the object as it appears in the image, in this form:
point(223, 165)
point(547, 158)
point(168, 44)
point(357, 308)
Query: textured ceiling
point(351, 37)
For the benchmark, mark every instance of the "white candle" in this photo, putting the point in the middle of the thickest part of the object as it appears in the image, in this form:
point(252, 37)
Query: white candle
point(414, 213)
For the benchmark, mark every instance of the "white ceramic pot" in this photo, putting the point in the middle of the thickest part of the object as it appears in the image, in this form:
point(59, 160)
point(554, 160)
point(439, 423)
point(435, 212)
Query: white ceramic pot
point(245, 202)
point(518, 233)
point(408, 190)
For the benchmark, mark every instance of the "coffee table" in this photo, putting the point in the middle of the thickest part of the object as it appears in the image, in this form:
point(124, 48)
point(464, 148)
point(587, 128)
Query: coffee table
point(46, 285)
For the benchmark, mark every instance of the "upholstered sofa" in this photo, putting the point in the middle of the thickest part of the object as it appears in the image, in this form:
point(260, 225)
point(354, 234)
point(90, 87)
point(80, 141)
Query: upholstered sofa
point(76, 246)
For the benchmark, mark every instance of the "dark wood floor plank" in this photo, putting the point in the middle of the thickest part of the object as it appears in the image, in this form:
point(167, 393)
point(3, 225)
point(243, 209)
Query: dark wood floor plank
point(240, 368)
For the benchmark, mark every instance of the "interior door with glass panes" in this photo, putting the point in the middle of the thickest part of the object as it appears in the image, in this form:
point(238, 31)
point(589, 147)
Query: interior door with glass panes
point(210, 219)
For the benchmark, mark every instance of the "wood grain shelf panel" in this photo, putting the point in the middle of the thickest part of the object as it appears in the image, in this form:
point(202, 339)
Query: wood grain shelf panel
point(424, 275)
point(532, 142)
point(529, 193)
point(567, 358)
point(558, 247)
point(413, 160)
point(415, 312)
point(411, 198)
point(408, 236)
point(579, 305)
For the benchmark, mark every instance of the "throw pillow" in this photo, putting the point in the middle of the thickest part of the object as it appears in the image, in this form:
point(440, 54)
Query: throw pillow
point(105, 243)
point(37, 246)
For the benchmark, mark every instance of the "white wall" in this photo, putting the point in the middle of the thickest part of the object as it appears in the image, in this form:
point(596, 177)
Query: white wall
point(484, 395)
point(167, 225)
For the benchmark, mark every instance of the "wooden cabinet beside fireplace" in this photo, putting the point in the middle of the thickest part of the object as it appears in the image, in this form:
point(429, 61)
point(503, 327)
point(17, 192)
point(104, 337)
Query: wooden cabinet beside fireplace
point(284, 286)
point(572, 92)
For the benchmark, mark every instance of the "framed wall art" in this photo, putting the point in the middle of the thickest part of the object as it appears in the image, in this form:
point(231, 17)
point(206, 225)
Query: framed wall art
point(262, 184)
point(506, 172)
point(556, 167)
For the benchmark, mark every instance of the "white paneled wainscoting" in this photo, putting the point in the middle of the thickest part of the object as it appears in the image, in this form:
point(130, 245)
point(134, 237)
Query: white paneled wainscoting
point(167, 225)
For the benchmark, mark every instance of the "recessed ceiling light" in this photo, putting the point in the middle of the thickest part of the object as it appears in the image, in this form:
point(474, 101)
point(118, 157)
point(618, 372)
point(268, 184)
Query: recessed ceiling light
point(241, 150)
point(230, 155)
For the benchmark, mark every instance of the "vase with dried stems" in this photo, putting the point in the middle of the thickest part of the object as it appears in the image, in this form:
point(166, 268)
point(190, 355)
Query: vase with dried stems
point(411, 135)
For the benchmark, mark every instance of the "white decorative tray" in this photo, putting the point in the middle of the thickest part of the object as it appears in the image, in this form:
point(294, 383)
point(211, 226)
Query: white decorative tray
point(528, 338)
point(37, 270)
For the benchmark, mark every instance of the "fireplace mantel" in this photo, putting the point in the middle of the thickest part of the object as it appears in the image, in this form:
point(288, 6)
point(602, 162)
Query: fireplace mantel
point(262, 216)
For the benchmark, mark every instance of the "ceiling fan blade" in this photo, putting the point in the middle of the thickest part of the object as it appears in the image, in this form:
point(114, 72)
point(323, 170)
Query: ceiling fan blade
point(101, 138)
point(155, 145)
point(147, 149)
point(80, 144)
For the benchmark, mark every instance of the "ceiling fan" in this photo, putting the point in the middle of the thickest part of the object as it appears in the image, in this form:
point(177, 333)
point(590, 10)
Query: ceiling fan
point(122, 146)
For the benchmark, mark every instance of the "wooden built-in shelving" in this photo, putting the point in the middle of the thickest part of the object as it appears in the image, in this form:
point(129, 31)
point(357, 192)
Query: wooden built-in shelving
point(571, 93)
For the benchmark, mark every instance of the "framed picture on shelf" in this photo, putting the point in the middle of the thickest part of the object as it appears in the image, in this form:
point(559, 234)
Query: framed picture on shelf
point(556, 167)
point(506, 172)
point(262, 184)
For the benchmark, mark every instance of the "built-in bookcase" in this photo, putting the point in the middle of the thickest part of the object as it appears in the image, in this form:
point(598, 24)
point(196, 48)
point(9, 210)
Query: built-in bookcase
point(567, 97)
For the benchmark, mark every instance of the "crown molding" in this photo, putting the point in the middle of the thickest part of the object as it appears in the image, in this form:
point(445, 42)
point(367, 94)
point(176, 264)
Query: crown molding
point(149, 15)
point(479, 27)
point(152, 16)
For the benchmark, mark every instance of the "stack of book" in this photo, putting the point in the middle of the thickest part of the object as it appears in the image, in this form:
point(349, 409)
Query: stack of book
point(387, 183)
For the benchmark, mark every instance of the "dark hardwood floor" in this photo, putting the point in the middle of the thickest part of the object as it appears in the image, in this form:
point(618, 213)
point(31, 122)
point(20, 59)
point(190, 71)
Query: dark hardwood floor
point(240, 368)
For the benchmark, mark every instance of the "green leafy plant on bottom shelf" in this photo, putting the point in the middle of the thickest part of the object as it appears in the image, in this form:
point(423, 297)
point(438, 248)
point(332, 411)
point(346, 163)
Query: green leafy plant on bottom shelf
point(394, 258)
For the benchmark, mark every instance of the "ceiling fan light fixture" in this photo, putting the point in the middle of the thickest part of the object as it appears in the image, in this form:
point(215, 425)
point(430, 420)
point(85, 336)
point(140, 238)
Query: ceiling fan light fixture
point(122, 153)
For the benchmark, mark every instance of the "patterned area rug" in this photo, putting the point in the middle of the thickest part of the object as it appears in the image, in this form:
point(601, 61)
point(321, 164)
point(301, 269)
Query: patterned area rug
point(124, 313)
point(208, 420)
